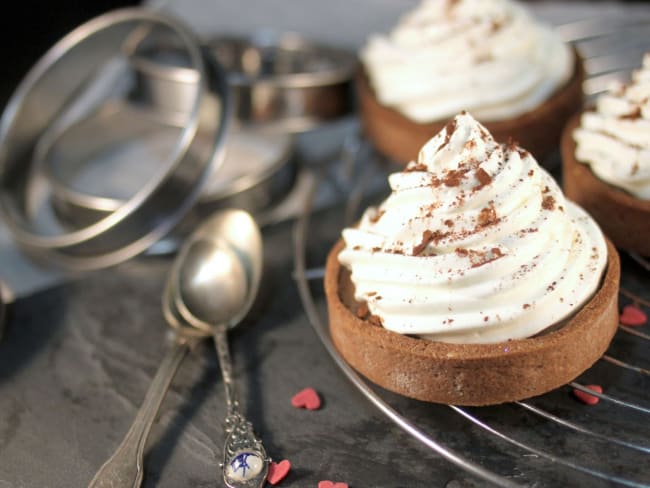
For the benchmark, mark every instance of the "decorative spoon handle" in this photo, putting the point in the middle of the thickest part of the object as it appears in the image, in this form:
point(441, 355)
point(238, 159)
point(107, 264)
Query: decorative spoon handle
point(245, 463)
point(124, 469)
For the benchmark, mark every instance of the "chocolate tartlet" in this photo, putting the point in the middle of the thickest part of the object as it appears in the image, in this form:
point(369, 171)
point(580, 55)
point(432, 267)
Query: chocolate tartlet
point(539, 131)
point(470, 374)
point(475, 281)
point(624, 218)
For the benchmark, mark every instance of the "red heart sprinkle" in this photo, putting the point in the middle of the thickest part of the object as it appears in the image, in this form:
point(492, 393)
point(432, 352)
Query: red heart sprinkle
point(307, 398)
point(586, 397)
point(633, 316)
point(278, 471)
point(331, 484)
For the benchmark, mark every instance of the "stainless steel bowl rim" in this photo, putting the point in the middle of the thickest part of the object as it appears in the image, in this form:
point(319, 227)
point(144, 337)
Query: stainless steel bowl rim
point(341, 72)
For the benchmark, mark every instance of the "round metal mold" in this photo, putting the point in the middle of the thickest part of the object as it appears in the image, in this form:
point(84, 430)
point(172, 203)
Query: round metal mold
point(164, 76)
point(90, 173)
point(50, 99)
point(285, 80)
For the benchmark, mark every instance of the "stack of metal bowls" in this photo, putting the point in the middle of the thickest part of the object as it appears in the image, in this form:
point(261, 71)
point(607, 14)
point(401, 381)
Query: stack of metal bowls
point(130, 129)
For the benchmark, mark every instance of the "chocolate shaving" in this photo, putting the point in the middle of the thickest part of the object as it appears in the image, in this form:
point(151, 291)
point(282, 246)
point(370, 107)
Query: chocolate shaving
point(483, 177)
point(450, 128)
point(488, 216)
point(548, 203)
point(428, 237)
point(454, 177)
point(435, 182)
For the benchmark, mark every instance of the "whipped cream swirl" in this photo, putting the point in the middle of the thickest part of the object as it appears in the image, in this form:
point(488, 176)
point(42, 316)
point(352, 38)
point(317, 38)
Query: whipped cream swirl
point(475, 244)
point(488, 57)
point(614, 139)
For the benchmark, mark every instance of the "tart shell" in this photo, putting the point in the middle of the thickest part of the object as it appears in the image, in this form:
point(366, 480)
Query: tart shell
point(400, 138)
point(472, 374)
point(623, 218)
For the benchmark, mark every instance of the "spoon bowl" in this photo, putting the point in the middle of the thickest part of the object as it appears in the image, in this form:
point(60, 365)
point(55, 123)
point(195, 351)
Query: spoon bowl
point(207, 265)
point(218, 272)
point(125, 466)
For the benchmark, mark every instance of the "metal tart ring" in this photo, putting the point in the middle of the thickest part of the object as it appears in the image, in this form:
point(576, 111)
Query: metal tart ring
point(285, 80)
point(59, 77)
point(63, 156)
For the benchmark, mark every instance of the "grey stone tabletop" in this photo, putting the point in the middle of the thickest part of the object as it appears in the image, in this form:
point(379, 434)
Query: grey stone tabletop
point(77, 358)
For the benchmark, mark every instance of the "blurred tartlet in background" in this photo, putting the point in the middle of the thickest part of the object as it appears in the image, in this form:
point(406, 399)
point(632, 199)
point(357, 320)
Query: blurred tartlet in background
point(492, 58)
point(606, 161)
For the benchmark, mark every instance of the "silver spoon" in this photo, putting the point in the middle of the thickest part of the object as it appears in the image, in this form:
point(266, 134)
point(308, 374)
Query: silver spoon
point(227, 247)
point(124, 469)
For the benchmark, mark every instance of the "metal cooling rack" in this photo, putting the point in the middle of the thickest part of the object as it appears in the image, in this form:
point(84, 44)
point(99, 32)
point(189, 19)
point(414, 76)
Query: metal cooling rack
point(548, 441)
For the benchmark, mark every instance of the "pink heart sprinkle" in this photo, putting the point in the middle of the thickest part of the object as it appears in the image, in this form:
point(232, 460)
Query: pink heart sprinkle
point(307, 398)
point(586, 397)
point(278, 471)
point(331, 484)
point(633, 316)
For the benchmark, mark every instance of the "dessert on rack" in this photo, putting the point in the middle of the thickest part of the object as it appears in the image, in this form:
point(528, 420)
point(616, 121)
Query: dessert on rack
point(490, 57)
point(606, 161)
point(475, 281)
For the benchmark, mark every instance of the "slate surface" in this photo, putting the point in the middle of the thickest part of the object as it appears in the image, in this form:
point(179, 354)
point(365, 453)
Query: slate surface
point(76, 360)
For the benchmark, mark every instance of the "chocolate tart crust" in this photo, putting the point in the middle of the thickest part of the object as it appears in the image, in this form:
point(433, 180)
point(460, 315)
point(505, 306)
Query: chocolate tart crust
point(539, 130)
point(623, 218)
point(473, 374)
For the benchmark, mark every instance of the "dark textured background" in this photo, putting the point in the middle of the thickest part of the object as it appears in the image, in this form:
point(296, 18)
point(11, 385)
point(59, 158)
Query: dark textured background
point(29, 27)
